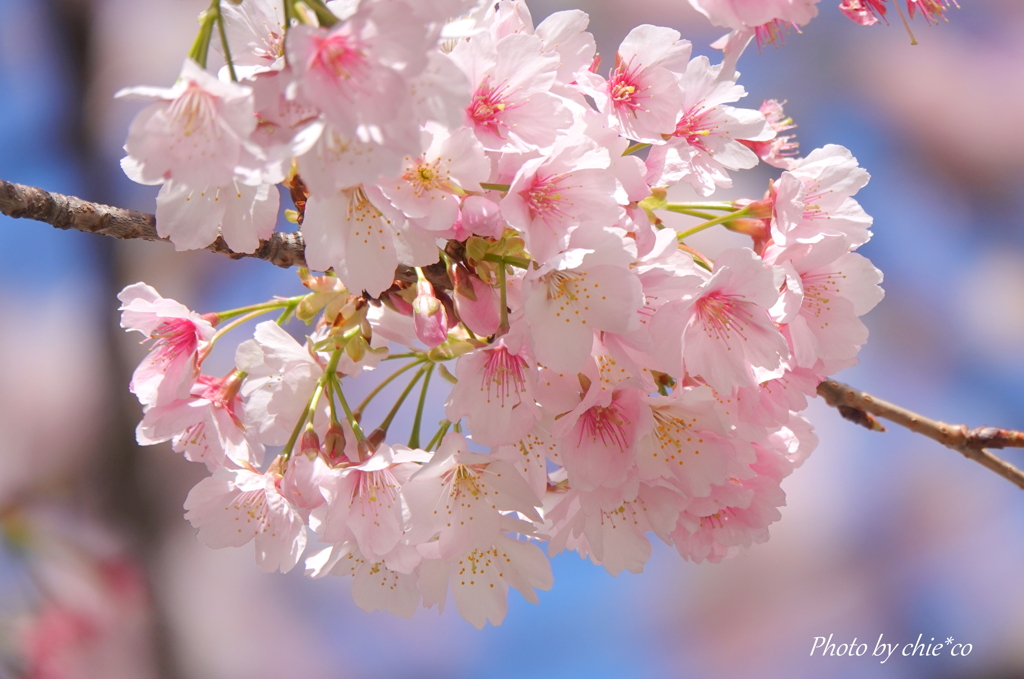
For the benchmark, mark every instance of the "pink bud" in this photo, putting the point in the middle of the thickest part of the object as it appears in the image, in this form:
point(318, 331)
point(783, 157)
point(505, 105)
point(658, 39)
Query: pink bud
point(310, 443)
point(334, 444)
point(482, 217)
point(430, 319)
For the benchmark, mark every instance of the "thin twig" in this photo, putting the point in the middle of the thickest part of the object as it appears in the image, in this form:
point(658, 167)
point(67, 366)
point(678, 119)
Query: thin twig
point(971, 443)
point(68, 212)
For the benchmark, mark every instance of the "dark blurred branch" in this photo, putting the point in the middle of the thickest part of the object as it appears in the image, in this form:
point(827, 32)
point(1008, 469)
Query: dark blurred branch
point(971, 443)
point(68, 212)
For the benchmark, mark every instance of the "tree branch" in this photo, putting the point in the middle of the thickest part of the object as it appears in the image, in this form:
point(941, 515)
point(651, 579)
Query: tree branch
point(288, 249)
point(68, 212)
point(971, 443)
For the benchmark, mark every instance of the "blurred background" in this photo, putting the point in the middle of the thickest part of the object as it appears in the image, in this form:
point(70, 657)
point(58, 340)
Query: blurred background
point(883, 534)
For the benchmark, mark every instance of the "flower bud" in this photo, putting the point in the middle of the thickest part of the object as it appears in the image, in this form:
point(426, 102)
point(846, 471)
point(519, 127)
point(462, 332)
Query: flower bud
point(310, 443)
point(334, 444)
point(430, 319)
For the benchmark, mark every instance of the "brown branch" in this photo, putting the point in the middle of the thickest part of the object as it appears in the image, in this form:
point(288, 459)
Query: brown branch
point(68, 212)
point(971, 443)
point(287, 250)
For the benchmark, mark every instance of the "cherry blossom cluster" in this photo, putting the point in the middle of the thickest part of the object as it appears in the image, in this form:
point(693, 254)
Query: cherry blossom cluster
point(483, 200)
point(766, 21)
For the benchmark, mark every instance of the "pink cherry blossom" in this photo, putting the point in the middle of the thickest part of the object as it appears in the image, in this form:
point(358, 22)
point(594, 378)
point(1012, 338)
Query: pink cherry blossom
point(864, 12)
point(426, 191)
point(814, 199)
point(235, 506)
point(375, 586)
point(512, 107)
point(349, 232)
point(460, 496)
point(194, 133)
point(736, 514)
point(778, 150)
point(282, 375)
point(365, 502)
point(172, 366)
point(255, 29)
point(750, 13)
point(597, 438)
point(614, 533)
point(357, 72)
point(837, 287)
point(553, 194)
point(207, 427)
point(476, 303)
point(641, 96)
point(689, 443)
point(429, 316)
point(721, 330)
point(495, 391)
point(705, 142)
point(480, 579)
point(193, 217)
point(566, 301)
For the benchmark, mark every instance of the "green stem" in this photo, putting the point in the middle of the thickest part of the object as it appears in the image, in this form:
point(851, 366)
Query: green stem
point(683, 207)
point(414, 437)
point(441, 431)
point(384, 383)
point(502, 301)
point(201, 47)
point(495, 187)
point(714, 222)
point(698, 258)
point(401, 399)
point(224, 42)
point(330, 400)
point(694, 213)
point(288, 310)
point(267, 306)
point(519, 262)
point(633, 148)
point(309, 413)
point(323, 15)
point(410, 354)
point(228, 328)
point(356, 429)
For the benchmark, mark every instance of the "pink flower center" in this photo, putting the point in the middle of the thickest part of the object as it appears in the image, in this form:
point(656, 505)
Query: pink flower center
point(819, 290)
point(503, 375)
point(720, 315)
point(174, 338)
point(718, 519)
point(625, 88)
point(606, 424)
point(767, 34)
point(340, 57)
point(866, 12)
point(695, 126)
point(933, 10)
point(544, 197)
point(375, 488)
point(254, 504)
point(193, 110)
point(425, 177)
point(488, 107)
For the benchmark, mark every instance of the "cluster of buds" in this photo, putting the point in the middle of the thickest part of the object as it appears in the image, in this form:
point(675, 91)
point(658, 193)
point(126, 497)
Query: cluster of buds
point(484, 204)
